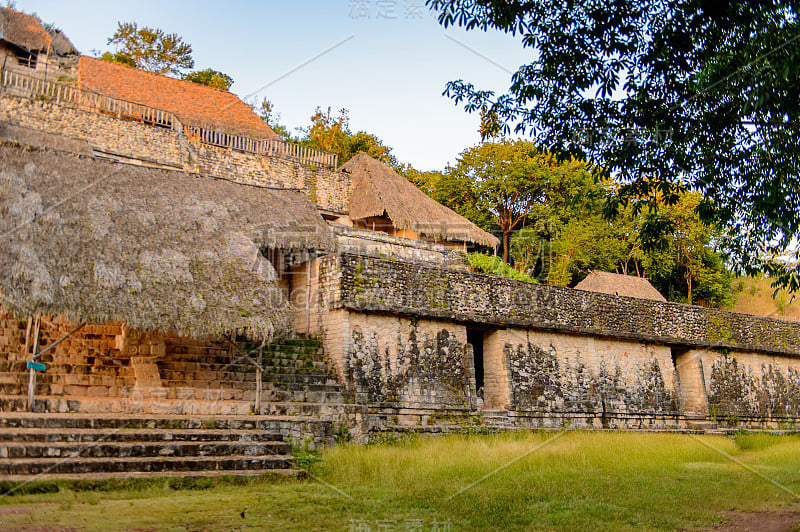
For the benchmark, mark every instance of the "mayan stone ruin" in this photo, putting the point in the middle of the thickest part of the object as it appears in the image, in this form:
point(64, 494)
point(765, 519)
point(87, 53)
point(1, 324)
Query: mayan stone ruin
point(164, 260)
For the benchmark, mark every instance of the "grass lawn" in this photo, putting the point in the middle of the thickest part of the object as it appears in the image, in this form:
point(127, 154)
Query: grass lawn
point(519, 481)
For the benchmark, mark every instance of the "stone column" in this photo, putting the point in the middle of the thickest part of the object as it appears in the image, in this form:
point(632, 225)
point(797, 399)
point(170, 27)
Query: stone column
point(689, 366)
point(496, 385)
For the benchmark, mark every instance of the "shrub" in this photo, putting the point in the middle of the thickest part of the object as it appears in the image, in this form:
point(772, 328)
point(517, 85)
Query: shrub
point(494, 265)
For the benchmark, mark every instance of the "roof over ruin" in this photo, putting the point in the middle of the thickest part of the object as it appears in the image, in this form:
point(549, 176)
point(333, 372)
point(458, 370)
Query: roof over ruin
point(102, 241)
point(380, 191)
point(23, 30)
point(620, 285)
point(194, 104)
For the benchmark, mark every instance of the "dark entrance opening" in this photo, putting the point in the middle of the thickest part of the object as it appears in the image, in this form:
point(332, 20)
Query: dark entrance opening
point(475, 338)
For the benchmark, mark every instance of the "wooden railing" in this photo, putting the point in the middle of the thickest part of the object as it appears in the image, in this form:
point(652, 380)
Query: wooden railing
point(264, 147)
point(18, 84)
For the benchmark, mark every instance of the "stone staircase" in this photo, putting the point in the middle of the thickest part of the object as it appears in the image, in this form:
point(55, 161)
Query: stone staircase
point(89, 377)
point(293, 371)
point(75, 446)
point(199, 377)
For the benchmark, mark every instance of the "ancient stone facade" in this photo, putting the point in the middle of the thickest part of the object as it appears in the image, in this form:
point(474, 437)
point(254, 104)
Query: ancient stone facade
point(416, 338)
point(136, 143)
point(432, 291)
point(410, 338)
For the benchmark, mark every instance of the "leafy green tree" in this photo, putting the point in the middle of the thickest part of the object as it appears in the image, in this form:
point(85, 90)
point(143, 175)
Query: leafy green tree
point(123, 58)
point(665, 96)
point(332, 133)
point(511, 179)
point(456, 192)
point(210, 77)
point(684, 264)
point(150, 49)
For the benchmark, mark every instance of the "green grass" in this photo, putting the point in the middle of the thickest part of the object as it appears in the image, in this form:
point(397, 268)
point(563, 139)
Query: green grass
point(591, 481)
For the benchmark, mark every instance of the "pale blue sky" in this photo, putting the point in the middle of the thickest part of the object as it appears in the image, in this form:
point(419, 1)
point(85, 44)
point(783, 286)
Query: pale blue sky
point(389, 68)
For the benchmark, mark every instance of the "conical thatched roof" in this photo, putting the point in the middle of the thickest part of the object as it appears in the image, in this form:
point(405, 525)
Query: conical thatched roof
point(99, 241)
point(378, 190)
point(23, 30)
point(619, 285)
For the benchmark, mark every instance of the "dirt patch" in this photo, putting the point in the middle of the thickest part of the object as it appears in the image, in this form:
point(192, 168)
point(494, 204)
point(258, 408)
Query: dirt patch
point(14, 510)
point(19, 510)
point(759, 522)
point(41, 529)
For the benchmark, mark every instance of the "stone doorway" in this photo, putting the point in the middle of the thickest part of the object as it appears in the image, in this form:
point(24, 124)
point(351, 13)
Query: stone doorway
point(475, 339)
point(491, 368)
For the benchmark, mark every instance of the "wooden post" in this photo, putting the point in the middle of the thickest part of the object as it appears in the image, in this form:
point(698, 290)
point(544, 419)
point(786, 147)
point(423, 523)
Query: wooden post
point(258, 378)
point(28, 335)
point(32, 374)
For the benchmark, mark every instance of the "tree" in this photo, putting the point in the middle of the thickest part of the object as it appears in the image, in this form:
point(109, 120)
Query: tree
point(210, 77)
point(266, 111)
point(667, 96)
point(510, 179)
point(455, 191)
point(150, 49)
point(123, 58)
point(332, 133)
point(683, 264)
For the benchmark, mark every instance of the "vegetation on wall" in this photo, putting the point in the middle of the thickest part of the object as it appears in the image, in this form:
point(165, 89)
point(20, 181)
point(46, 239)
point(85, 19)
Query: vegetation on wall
point(495, 265)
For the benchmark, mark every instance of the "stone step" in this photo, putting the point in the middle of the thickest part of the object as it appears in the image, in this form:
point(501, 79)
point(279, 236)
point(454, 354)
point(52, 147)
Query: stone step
point(223, 357)
point(288, 424)
point(115, 449)
point(246, 368)
point(187, 371)
point(703, 425)
point(34, 466)
point(42, 435)
point(69, 445)
point(45, 477)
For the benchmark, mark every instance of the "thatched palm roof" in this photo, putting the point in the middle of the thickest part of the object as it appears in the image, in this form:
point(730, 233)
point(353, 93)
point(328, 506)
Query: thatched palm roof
point(23, 30)
point(620, 285)
point(380, 191)
point(193, 103)
point(99, 241)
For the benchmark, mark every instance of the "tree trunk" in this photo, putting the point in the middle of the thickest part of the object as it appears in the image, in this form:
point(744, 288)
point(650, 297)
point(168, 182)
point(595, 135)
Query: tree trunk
point(689, 282)
point(506, 234)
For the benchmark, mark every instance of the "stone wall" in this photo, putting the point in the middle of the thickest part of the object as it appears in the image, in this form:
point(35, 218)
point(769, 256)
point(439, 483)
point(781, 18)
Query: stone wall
point(740, 385)
point(562, 373)
point(381, 245)
point(131, 141)
point(550, 356)
point(88, 364)
point(399, 362)
point(105, 367)
point(369, 284)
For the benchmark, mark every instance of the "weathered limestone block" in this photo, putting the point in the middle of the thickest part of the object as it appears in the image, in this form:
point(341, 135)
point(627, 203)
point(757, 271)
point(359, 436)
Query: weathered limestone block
point(410, 363)
point(691, 374)
point(741, 384)
point(144, 349)
point(556, 372)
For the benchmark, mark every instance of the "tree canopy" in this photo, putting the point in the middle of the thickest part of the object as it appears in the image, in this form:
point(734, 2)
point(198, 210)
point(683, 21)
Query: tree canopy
point(332, 133)
point(150, 49)
point(210, 77)
point(666, 96)
point(511, 179)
